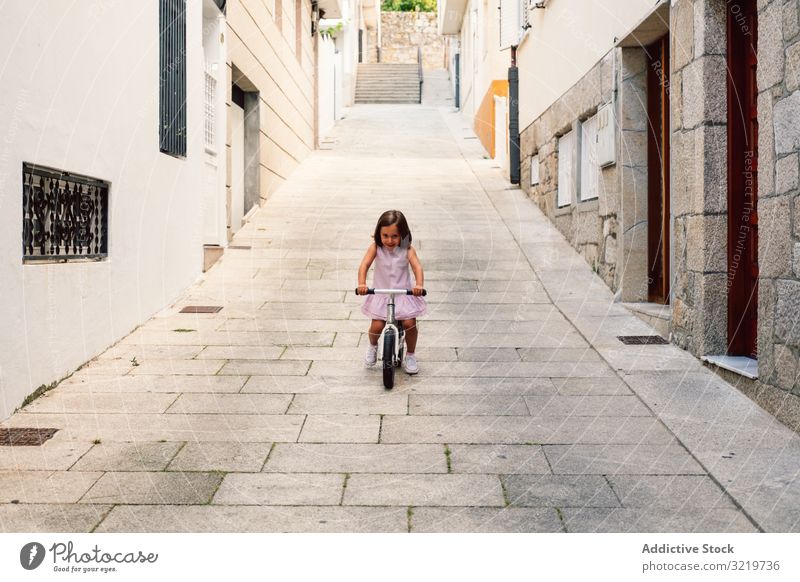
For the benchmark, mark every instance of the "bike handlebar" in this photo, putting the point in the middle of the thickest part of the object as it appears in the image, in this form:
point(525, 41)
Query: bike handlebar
point(391, 291)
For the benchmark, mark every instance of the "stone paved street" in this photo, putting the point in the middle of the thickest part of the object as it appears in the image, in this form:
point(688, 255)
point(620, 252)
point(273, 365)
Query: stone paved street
point(528, 414)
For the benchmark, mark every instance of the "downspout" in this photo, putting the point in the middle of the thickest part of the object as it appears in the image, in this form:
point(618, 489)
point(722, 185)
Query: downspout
point(513, 119)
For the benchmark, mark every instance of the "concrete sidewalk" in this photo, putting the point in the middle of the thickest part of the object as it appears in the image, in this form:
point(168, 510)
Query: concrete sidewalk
point(528, 414)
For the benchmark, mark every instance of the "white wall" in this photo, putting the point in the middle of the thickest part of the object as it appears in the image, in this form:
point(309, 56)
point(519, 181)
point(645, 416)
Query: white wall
point(80, 93)
point(565, 41)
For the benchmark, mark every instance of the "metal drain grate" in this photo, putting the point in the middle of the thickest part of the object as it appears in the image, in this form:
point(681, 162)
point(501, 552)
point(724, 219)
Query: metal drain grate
point(201, 309)
point(241, 247)
point(25, 437)
point(642, 340)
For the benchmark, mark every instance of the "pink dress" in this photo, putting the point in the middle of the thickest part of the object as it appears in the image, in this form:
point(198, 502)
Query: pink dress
point(392, 272)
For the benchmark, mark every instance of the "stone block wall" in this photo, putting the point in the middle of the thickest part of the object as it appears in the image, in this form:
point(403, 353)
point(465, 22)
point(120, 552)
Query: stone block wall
point(779, 193)
point(403, 32)
point(592, 226)
point(698, 175)
point(699, 184)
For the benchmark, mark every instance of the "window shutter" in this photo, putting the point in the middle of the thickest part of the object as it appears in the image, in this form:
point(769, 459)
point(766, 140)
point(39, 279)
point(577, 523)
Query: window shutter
point(172, 76)
point(590, 169)
point(510, 22)
point(566, 182)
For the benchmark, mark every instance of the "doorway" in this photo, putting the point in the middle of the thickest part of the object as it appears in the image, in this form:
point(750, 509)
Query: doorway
point(742, 280)
point(658, 204)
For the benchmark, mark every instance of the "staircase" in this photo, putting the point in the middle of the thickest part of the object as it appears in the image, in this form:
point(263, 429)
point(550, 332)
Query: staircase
point(388, 83)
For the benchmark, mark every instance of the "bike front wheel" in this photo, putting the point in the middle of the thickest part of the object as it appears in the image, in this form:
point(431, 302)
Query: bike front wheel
point(389, 342)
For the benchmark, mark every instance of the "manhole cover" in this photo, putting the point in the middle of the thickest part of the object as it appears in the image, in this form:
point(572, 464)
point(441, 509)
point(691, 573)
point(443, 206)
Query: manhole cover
point(642, 340)
point(201, 309)
point(25, 437)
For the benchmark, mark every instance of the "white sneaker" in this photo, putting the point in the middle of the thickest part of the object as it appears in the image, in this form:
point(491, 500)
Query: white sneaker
point(410, 364)
point(371, 356)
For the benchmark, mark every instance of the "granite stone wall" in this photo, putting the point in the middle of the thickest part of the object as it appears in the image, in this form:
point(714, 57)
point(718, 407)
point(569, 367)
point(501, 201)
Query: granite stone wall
point(591, 226)
point(403, 32)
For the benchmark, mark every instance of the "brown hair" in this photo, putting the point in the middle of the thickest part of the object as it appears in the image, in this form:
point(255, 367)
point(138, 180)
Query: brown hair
point(389, 218)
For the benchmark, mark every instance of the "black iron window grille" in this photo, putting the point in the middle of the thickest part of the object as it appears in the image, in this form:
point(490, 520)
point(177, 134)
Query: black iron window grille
point(64, 216)
point(172, 77)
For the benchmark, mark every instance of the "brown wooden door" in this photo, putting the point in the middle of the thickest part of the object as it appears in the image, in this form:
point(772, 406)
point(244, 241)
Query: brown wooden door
point(742, 179)
point(658, 171)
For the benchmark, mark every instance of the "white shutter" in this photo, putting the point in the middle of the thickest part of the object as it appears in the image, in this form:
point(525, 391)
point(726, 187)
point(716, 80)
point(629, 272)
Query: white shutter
point(534, 170)
point(566, 181)
point(510, 22)
point(590, 169)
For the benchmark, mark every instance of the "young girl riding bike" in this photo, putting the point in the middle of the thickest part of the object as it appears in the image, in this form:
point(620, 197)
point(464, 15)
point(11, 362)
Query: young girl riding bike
point(393, 255)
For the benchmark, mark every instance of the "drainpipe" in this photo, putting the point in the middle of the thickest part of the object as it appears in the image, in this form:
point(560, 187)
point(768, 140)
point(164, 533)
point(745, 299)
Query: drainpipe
point(458, 80)
point(513, 119)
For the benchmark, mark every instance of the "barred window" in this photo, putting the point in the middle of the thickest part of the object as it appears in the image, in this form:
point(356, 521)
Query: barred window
point(172, 76)
point(64, 215)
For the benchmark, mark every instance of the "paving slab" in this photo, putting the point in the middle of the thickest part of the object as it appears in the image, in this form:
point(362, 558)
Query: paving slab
point(45, 486)
point(669, 459)
point(230, 404)
point(418, 490)
point(149, 488)
point(253, 519)
point(340, 428)
point(139, 384)
point(221, 457)
point(392, 403)
point(466, 405)
point(523, 430)
point(140, 456)
point(53, 455)
point(588, 405)
point(280, 489)
point(559, 491)
point(265, 368)
point(50, 517)
point(101, 403)
point(498, 459)
point(647, 520)
point(485, 520)
point(169, 427)
point(357, 458)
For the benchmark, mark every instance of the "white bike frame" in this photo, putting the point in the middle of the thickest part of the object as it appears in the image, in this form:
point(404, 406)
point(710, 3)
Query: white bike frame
point(391, 322)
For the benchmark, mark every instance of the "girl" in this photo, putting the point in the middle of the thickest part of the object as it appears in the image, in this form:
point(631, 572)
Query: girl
point(394, 253)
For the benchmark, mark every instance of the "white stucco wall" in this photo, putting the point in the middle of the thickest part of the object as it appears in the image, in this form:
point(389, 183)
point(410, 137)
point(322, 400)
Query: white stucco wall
point(565, 41)
point(80, 93)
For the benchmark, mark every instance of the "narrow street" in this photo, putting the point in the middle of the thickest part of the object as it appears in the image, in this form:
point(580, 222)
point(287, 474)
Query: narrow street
point(528, 414)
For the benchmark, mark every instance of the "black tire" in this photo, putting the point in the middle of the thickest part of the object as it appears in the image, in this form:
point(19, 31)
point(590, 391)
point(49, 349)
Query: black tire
point(389, 340)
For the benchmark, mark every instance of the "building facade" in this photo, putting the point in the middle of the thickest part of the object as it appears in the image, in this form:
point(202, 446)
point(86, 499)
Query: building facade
point(662, 141)
point(478, 63)
point(137, 137)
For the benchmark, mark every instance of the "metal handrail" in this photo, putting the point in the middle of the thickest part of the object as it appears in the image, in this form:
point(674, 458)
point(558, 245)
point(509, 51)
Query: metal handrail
point(419, 67)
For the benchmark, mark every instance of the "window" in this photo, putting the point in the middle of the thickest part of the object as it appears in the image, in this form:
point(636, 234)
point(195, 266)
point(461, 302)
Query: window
point(534, 170)
point(590, 169)
point(566, 181)
point(172, 77)
point(510, 22)
point(64, 215)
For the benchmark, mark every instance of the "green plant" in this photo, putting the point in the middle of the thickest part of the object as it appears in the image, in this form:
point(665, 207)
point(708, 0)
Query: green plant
point(331, 31)
point(183, 330)
point(447, 453)
point(38, 392)
point(134, 361)
point(408, 5)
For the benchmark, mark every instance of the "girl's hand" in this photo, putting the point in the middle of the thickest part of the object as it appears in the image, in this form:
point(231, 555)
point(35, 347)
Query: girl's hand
point(417, 290)
point(362, 289)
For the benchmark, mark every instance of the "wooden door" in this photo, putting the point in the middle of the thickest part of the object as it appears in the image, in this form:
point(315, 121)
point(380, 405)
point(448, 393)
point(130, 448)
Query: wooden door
point(658, 219)
point(742, 180)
